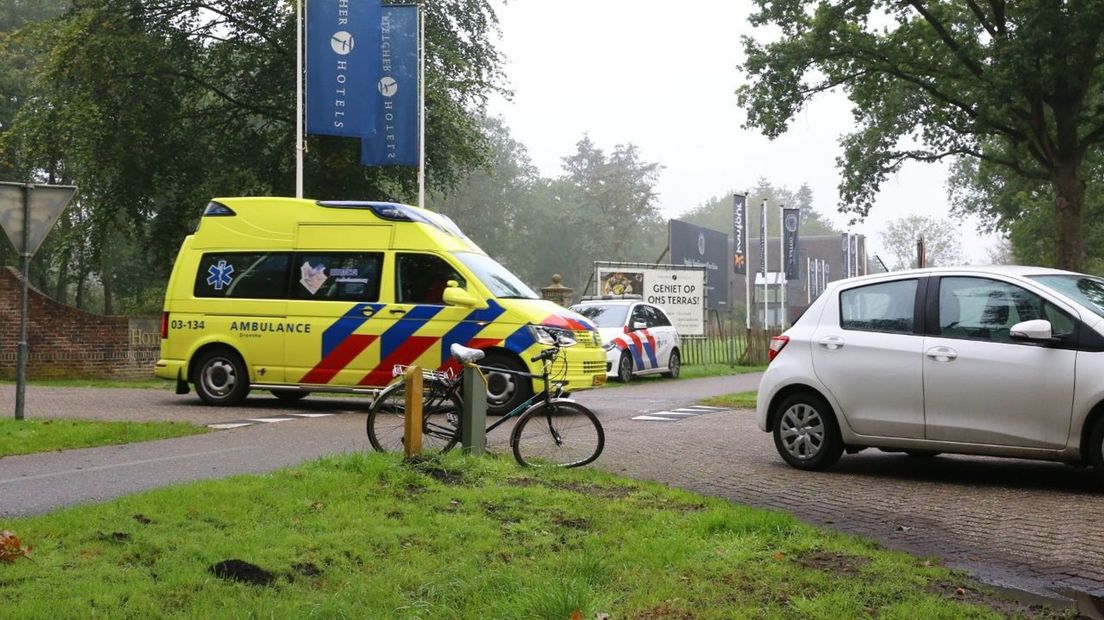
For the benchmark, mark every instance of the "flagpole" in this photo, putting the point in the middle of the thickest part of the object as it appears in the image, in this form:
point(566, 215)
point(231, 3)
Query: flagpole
point(299, 98)
point(421, 105)
point(766, 261)
point(782, 267)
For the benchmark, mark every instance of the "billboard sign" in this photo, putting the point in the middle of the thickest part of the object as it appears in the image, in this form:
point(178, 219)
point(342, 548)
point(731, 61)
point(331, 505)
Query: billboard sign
point(694, 246)
point(679, 291)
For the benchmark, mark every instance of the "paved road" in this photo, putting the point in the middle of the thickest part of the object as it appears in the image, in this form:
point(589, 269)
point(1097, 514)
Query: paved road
point(1021, 524)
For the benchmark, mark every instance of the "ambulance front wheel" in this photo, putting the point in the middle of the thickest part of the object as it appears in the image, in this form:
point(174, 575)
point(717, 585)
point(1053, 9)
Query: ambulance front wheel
point(221, 378)
point(505, 391)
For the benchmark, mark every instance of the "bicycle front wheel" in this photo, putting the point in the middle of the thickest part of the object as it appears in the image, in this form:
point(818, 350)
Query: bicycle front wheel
point(441, 409)
point(557, 434)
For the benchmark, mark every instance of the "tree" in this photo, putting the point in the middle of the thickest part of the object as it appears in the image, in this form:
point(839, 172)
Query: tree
point(716, 213)
point(1015, 85)
point(942, 244)
point(154, 107)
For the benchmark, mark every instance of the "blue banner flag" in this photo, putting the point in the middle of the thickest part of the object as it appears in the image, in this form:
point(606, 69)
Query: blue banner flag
point(343, 46)
point(396, 140)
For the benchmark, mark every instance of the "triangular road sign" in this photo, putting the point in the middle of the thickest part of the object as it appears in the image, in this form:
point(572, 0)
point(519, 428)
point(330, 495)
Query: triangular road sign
point(47, 203)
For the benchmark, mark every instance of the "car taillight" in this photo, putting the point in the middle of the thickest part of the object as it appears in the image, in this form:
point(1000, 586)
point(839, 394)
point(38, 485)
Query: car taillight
point(776, 345)
point(164, 326)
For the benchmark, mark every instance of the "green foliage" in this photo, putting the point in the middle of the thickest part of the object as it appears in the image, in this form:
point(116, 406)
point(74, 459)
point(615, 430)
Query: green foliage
point(1014, 84)
point(716, 213)
point(154, 107)
point(603, 207)
point(942, 243)
point(456, 537)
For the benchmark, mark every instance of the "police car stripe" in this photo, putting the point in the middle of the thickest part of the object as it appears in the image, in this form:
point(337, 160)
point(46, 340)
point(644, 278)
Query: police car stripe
point(650, 348)
point(637, 350)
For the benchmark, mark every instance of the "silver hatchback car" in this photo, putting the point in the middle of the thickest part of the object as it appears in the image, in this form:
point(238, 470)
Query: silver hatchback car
point(996, 360)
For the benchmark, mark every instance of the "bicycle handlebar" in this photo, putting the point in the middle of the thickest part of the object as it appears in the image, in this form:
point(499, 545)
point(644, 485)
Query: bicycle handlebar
point(546, 354)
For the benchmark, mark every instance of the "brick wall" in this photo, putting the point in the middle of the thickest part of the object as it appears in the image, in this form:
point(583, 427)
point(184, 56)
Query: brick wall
point(65, 342)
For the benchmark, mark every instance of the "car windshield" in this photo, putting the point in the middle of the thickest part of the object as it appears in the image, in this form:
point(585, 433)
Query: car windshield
point(1085, 290)
point(603, 316)
point(495, 277)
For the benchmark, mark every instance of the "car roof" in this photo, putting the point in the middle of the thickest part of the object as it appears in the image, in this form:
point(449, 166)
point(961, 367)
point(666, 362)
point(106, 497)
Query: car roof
point(610, 302)
point(1006, 270)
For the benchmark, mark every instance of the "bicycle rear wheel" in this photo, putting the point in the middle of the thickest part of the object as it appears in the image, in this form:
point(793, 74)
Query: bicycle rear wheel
point(440, 418)
point(557, 434)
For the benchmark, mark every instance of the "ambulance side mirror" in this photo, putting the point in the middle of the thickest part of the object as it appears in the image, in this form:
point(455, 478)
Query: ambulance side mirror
point(456, 296)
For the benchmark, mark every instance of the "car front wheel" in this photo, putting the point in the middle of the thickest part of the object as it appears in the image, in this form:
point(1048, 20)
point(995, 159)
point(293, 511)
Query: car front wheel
point(624, 368)
point(805, 432)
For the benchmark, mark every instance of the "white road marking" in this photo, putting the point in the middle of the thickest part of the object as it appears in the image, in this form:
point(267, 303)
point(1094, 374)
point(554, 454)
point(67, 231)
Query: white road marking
point(229, 425)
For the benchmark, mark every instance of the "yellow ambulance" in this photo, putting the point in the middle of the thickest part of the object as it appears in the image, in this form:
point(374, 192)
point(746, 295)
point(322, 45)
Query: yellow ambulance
point(297, 296)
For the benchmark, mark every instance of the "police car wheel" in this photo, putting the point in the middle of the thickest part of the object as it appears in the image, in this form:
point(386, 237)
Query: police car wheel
point(221, 378)
point(674, 365)
point(625, 368)
point(504, 391)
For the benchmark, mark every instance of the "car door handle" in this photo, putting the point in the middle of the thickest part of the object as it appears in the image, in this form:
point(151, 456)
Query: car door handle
point(397, 310)
point(832, 342)
point(942, 354)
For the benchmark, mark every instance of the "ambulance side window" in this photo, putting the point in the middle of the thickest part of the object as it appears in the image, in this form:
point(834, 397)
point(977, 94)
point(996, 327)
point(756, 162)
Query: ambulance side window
point(422, 278)
point(243, 275)
point(337, 276)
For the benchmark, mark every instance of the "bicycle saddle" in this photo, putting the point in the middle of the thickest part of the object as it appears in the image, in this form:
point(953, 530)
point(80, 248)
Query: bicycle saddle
point(466, 355)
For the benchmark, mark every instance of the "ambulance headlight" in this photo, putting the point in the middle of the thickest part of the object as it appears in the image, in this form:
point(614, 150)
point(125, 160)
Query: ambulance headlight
point(552, 336)
point(609, 345)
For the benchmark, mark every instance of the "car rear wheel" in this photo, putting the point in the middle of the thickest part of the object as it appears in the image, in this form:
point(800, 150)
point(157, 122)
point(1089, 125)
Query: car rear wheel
point(805, 432)
point(674, 365)
point(624, 368)
point(1096, 449)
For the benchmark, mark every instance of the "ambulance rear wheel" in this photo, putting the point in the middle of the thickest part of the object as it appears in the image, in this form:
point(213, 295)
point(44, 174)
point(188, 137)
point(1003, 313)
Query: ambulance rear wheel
point(221, 378)
point(505, 391)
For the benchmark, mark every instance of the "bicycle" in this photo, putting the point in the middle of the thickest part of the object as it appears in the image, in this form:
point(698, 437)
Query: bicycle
point(551, 430)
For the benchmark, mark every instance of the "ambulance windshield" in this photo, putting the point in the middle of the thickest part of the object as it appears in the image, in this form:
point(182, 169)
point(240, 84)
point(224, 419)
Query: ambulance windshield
point(495, 277)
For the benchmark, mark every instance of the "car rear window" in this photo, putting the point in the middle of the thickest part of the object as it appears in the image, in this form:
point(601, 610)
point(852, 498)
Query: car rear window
point(883, 307)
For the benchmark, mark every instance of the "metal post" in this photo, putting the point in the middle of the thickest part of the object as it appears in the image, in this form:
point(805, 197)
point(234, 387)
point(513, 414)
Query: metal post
point(473, 423)
point(782, 267)
point(421, 106)
point(764, 254)
point(21, 373)
point(299, 98)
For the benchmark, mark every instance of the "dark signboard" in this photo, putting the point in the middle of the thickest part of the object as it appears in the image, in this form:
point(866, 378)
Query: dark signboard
point(694, 246)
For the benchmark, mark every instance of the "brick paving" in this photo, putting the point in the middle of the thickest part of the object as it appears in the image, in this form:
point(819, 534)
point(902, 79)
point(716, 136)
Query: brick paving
point(1026, 525)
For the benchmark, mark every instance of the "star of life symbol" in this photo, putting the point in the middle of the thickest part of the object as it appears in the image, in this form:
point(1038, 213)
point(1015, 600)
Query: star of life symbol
point(221, 275)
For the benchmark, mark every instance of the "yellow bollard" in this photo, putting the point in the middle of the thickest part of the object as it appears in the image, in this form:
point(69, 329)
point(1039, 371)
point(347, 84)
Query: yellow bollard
point(412, 433)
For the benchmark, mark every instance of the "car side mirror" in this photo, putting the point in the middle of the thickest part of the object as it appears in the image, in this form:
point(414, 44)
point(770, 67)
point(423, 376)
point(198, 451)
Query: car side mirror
point(639, 325)
point(1038, 329)
point(456, 296)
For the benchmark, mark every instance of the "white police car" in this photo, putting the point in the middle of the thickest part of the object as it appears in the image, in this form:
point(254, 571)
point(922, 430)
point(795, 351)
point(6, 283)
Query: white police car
point(638, 337)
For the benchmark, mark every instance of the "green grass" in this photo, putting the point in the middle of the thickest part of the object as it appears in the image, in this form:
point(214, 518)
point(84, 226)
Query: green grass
point(368, 536)
point(100, 383)
point(27, 436)
point(735, 400)
point(717, 370)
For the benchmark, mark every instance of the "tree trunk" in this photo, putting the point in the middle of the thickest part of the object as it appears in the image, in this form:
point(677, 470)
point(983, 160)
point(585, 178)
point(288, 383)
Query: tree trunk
point(1069, 200)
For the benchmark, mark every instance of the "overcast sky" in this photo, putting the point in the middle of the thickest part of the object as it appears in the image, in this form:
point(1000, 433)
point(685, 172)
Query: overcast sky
point(662, 75)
